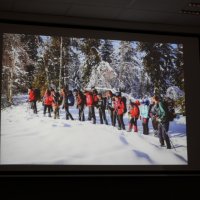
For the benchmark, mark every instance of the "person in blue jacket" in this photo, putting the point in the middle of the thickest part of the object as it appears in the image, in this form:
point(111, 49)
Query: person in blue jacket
point(144, 115)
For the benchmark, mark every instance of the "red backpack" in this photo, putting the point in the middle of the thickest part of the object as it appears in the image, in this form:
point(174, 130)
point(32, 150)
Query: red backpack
point(31, 95)
point(89, 99)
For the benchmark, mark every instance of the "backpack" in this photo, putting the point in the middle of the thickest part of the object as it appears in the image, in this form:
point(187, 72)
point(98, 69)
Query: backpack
point(168, 105)
point(70, 100)
point(124, 101)
point(37, 94)
point(57, 98)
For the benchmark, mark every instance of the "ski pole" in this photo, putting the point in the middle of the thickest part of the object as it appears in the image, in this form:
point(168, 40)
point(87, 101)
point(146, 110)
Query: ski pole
point(172, 143)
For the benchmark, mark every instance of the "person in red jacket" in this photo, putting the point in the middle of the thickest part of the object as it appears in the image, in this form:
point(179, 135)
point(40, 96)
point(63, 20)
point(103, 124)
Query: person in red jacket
point(119, 109)
point(90, 104)
point(32, 99)
point(47, 101)
point(134, 115)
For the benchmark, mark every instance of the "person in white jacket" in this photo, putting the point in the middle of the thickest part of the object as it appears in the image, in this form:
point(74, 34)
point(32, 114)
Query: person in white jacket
point(144, 116)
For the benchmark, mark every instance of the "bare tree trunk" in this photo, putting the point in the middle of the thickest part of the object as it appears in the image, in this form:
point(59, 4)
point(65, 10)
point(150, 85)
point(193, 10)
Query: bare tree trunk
point(61, 59)
point(10, 80)
point(45, 59)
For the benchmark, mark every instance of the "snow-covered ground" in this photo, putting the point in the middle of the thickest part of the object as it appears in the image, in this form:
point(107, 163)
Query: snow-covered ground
point(28, 138)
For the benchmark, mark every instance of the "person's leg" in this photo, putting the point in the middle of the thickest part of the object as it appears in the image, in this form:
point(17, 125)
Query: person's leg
point(35, 107)
point(143, 126)
point(122, 121)
point(67, 112)
point(100, 115)
point(57, 113)
point(130, 125)
point(79, 113)
point(135, 128)
point(70, 115)
point(114, 117)
point(49, 110)
point(165, 135)
point(153, 120)
point(147, 126)
point(104, 116)
point(54, 112)
point(119, 122)
point(45, 109)
point(160, 134)
point(89, 113)
point(82, 113)
point(155, 126)
point(93, 114)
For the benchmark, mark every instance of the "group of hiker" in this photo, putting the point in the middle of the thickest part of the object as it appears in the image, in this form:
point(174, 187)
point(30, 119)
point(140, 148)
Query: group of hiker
point(115, 104)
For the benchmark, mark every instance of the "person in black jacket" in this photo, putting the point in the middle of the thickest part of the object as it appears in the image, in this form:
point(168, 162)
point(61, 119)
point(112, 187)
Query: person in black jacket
point(110, 107)
point(101, 105)
point(68, 100)
point(152, 115)
point(163, 122)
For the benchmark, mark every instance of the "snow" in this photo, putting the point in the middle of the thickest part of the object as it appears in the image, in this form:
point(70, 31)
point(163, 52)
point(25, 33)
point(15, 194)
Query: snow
point(174, 92)
point(28, 138)
point(102, 75)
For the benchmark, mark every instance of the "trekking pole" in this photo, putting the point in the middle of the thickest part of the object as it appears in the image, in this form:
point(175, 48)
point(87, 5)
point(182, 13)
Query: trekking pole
point(172, 143)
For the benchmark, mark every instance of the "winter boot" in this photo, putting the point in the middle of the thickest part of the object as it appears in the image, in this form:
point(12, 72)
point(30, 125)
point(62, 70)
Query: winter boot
point(71, 118)
point(168, 143)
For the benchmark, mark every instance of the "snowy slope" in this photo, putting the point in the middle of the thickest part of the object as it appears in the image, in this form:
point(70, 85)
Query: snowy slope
point(33, 139)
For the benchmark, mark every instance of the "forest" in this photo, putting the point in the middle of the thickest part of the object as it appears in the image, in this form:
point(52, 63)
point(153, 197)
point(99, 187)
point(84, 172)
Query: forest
point(134, 67)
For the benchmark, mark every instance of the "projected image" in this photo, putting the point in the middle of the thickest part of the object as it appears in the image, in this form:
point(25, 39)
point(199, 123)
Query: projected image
point(86, 101)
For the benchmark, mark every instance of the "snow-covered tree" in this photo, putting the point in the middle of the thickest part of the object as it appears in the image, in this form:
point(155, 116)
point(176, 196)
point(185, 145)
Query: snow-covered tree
point(92, 57)
point(107, 51)
point(160, 63)
point(128, 68)
point(102, 76)
point(15, 60)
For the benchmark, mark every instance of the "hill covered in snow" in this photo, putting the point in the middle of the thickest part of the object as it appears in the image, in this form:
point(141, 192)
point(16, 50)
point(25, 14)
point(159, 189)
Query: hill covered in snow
point(27, 138)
